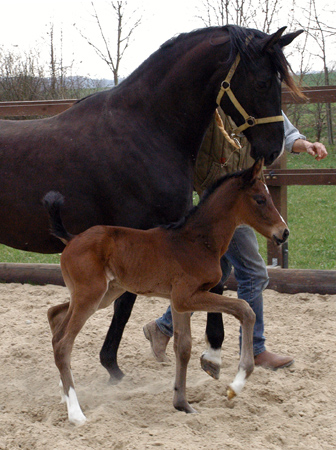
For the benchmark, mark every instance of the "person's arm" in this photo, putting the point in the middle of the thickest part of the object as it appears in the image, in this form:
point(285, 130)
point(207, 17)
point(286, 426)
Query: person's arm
point(296, 142)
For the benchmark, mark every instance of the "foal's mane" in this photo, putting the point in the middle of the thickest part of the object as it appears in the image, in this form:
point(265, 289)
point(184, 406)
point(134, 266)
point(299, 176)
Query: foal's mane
point(207, 193)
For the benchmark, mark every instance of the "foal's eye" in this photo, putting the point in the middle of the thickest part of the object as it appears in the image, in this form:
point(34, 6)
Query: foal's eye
point(260, 199)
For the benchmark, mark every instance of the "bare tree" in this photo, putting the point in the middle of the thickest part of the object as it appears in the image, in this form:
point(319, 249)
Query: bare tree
point(21, 76)
point(304, 66)
point(261, 14)
point(320, 33)
point(224, 12)
point(125, 25)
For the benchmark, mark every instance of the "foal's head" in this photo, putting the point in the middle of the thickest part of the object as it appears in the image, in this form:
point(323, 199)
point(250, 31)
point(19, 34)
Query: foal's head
point(255, 206)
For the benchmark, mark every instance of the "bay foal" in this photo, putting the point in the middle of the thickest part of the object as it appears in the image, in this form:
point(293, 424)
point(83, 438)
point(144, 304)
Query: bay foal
point(180, 262)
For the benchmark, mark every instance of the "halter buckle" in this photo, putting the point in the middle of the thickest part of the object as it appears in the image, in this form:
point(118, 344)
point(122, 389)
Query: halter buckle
point(251, 121)
point(225, 85)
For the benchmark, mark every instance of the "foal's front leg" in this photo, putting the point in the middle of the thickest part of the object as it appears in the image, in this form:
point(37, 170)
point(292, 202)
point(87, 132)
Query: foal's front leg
point(182, 348)
point(208, 301)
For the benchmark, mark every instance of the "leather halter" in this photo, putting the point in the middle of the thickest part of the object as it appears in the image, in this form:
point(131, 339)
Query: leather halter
point(250, 121)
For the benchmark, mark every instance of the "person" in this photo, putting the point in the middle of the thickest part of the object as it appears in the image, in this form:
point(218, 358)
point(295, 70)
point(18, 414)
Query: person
point(217, 157)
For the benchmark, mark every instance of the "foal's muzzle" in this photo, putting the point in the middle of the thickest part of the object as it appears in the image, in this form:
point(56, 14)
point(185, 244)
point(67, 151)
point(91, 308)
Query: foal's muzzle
point(283, 238)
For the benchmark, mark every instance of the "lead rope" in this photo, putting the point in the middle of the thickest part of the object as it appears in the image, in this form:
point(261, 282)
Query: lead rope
point(233, 141)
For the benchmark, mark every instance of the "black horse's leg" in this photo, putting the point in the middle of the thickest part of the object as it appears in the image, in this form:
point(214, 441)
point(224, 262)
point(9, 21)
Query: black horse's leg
point(214, 333)
point(108, 355)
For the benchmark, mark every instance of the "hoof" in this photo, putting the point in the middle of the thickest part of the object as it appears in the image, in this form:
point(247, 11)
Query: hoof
point(186, 408)
point(116, 375)
point(237, 385)
point(115, 379)
point(230, 393)
point(210, 367)
point(78, 421)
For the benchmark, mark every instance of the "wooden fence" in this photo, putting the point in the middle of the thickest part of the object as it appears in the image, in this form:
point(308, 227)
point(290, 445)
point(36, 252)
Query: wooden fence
point(278, 177)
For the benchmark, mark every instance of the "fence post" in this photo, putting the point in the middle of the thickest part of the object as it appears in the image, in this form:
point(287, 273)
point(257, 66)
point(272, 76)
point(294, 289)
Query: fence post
point(278, 255)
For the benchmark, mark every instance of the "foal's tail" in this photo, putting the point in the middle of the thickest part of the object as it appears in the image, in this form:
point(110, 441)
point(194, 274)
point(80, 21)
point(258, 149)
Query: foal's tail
point(53, 201)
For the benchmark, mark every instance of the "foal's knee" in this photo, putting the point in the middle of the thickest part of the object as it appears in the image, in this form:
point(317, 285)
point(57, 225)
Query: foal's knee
point(248, 315)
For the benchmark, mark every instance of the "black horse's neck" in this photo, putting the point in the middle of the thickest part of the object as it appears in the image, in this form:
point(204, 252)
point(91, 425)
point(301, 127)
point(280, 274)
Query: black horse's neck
point(176, 87)
point(175, 90)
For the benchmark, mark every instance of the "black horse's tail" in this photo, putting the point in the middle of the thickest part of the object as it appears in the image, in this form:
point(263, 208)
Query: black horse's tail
point(53, 202)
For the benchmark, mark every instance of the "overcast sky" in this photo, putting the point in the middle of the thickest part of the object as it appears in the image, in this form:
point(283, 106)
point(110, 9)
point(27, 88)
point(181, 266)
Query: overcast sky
point(25, 23)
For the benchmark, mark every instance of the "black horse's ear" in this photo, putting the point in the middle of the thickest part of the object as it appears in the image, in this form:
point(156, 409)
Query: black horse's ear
point(272, 39)
point(288, 38)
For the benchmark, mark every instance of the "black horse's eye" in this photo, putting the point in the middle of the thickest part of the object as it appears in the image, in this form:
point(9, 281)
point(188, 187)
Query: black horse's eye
point(261, 85)
point(260, 199)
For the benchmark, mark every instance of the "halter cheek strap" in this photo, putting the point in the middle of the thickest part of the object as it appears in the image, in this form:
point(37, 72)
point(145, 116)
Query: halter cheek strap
point(250, 121)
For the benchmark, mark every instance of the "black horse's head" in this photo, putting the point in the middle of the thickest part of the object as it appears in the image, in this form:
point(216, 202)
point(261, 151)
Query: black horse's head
point(256, 84)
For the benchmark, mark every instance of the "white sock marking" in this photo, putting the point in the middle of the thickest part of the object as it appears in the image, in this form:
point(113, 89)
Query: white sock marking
point(212, 355)
point(239, 381)
point(75, 413)
point(62, 392)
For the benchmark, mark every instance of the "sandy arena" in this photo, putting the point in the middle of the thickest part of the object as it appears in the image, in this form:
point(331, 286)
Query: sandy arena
point(293, 408)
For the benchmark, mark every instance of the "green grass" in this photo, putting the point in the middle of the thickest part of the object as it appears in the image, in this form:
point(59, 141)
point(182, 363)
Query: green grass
point(311, 219)
point(12, 255)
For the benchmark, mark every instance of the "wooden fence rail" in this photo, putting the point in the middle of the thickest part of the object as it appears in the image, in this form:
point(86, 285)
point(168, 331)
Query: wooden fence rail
point(34, 108)
point(289, 281)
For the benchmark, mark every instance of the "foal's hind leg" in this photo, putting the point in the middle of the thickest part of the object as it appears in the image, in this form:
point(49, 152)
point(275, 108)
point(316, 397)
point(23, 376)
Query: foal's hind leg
point(56, 315)
point(84, 302)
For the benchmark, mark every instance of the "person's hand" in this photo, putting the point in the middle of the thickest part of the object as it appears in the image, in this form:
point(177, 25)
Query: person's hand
point(315, 149)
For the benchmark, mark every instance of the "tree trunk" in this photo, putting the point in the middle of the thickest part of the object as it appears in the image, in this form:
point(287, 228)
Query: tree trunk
point(328, 108)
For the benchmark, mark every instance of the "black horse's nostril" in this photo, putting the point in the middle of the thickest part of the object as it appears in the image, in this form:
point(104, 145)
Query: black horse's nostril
point(285, 234)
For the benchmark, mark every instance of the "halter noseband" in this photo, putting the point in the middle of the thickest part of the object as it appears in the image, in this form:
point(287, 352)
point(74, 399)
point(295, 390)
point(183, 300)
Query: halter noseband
point(250, 121)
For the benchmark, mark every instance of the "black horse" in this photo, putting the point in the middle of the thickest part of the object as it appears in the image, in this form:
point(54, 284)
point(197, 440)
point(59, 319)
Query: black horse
point(126, 156)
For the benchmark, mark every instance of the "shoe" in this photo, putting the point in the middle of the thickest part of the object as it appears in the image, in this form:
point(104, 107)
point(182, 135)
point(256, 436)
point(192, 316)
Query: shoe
point(158, 341)
point(272, 361)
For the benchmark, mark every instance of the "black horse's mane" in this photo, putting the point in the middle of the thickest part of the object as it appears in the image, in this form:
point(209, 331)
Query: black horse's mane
point(248, 42)
point(207, 193)
point(238, 38)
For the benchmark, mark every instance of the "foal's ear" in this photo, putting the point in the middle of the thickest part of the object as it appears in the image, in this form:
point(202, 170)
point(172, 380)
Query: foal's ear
point(257, 169)
point(252, 174)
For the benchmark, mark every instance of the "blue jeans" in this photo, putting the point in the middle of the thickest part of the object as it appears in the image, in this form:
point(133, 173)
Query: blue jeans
point(251, 274)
